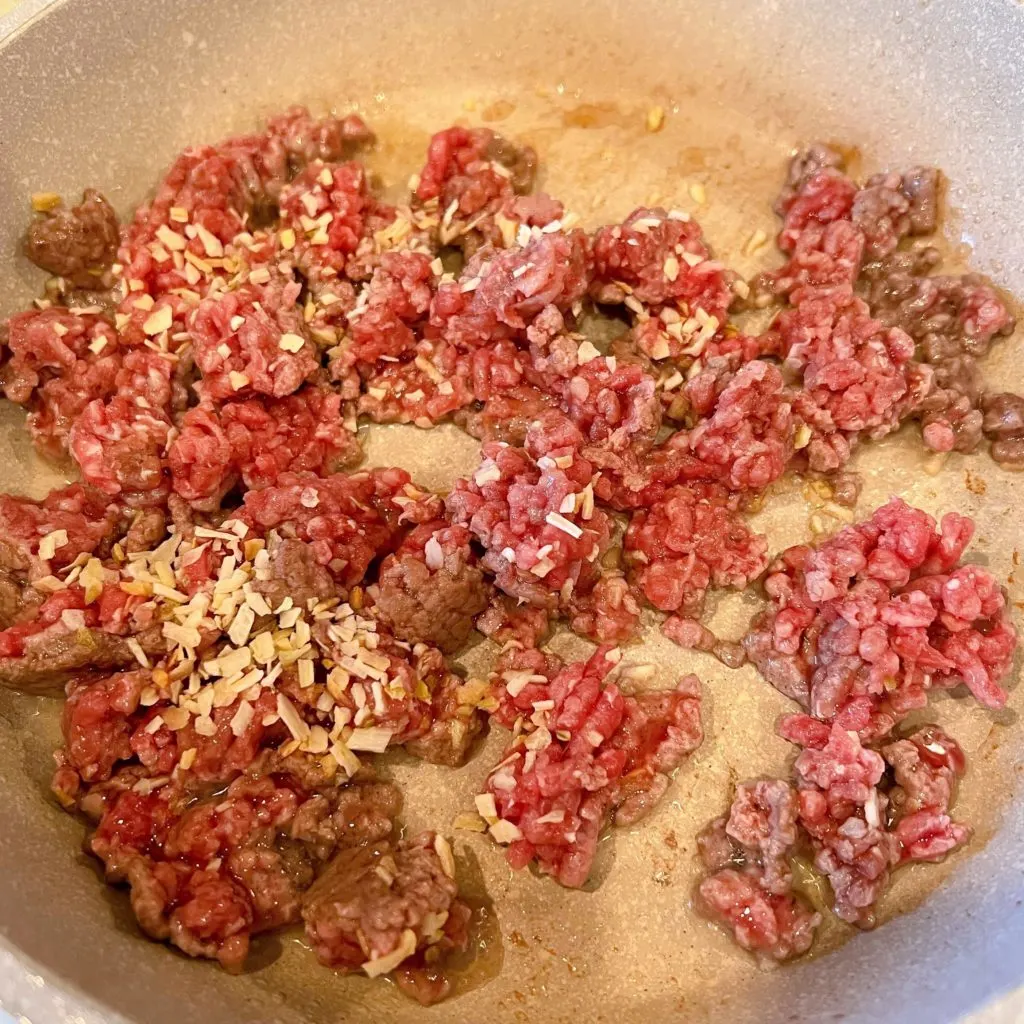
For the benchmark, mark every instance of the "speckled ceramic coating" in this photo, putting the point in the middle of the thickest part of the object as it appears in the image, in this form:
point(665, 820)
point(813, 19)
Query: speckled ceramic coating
point(104, 93)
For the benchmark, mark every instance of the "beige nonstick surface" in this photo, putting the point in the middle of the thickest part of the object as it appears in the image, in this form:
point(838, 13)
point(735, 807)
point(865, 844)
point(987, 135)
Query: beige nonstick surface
point(98, 94)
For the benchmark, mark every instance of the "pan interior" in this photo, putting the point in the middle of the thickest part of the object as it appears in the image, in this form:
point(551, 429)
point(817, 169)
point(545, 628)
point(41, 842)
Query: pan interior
point(95, 98)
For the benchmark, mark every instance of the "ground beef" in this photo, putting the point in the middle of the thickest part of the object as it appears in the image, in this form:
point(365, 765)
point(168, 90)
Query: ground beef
point(863, 626)
point(390, 313)
point(946, 315)
point(324, 206)
point(83, 519)
point(693, 635)
point(500, 293)
point(1003, 425)
point(218, 186)
point(610, 613)
point(376, 902)
point(268, 281)
point(506, 417)
point(588, 752)
point(48, 656)
point(891, 206)
point(688, 540)
point(949, 412)
point(454, 723)
point(96, 723)
point(803, 165)
point(748, 436)
point(749, 888)
point(295, 573)
point(430, 590)
point(423, 706)
point(77, 244)
point(15, 600)
point(347, 519)
point(657, 258)
point(506, 620)
point(772, 926)
point(120, 449)
point(513, 505)
point(257, 440)
point(926, 766)
point(858, 377)
point(473, 175)
point(49, 343)
point(252, 340)
point(844, 813)
point(614, 405)
point(424, 391)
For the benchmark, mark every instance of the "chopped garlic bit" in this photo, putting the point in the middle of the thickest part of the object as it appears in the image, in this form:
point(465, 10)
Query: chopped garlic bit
point(655, 119)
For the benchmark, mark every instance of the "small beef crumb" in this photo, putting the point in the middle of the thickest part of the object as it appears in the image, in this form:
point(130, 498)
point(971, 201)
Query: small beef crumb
point(431, 589)
point(79, 244)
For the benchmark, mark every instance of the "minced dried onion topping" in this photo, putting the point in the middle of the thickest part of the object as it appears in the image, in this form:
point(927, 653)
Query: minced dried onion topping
point(246, 645)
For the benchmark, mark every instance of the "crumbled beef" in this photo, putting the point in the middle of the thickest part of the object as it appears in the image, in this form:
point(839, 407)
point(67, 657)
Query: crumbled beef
point(688, 540)
point(926, 766)
point(506, 417)
point(295, 573)
point(748, 436)
point(945, 315)
point(863, 626)
point(610, 613)
point(693, 635)
point(949, 413)
point(77, 519)
point(252, 340)
point(803, 165)
point(77, 244)
point(386, 903)
point(587, 753)
point(120, 449)
point(749, 888)
point(347, 519)
point(423, 707)
point(500, 293)
point(506, 620)
point(891, 206)
point(454, 725)
point(256, 441)
point(1003, 425)
point(40, 656)
point(430, 590)
point(474, 176)
point(514, 505)
point(660, 257)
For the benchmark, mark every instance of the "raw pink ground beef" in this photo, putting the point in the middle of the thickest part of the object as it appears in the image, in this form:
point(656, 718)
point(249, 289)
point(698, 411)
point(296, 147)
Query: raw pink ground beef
point(863, 626)
point(209, 384)
point(584, 753)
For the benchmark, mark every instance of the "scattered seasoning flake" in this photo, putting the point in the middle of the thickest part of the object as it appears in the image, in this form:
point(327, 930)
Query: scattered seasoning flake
point(505, 832)
point(48, 544)
point(170, 238)
point(291, 342)
point(557, 520)
point(373, 739)
point(755, 242)
point(385, 964)
point(158, 322)
point(467, 822)
point(486, 807)
point(45, 202)
point(655, 119)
